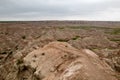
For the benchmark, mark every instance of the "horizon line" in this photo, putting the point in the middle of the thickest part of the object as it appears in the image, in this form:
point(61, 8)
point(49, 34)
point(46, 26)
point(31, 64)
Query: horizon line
point(58, 20)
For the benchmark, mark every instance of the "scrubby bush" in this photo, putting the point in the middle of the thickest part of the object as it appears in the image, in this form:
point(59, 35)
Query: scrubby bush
point(24, 37)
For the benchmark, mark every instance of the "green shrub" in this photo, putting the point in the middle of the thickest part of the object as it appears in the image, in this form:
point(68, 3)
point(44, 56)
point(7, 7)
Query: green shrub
point(19, 61)
point(75, 38)
point(62, 40)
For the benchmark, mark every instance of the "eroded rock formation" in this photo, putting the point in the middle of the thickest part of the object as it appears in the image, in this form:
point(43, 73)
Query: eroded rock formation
point(61, 61)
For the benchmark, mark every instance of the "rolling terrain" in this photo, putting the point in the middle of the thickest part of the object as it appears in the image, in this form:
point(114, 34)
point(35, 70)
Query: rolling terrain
point(20, 39)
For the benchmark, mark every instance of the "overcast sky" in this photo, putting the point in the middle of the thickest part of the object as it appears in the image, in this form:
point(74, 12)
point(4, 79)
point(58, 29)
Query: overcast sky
point(60, 10)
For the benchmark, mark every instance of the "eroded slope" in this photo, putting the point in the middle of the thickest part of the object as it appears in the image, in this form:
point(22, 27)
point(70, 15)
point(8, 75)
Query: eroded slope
point(60, 61)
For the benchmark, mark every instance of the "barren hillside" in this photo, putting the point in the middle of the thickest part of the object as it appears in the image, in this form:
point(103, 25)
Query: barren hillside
point(20, 40)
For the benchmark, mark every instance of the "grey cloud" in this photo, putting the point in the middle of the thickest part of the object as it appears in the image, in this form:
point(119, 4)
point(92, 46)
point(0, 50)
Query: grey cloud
point(15, 9)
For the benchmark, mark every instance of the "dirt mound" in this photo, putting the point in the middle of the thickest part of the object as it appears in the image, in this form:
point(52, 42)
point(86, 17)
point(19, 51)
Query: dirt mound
point(61, 61)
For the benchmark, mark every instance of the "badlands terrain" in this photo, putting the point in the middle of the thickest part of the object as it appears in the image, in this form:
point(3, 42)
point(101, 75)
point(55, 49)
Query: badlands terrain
point(60, 50)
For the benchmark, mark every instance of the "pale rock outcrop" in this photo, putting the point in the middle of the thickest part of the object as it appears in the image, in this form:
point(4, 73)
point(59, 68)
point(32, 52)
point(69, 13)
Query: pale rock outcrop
point(61, 61)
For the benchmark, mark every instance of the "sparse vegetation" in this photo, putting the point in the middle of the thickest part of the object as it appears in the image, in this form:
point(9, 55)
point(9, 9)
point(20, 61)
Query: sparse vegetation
point(80, 27)
point(116, 31)
point(61, 27)
point(24, 37)
point(4, 52)
point(88, 27)
point(76, 37)
point(115, 39)
point(19, 61)
point(63, 40)
point(113, 31)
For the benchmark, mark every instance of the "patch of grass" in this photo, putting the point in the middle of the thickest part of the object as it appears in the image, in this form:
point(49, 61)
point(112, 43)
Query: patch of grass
point(76, 37)
point(87, 27)
point(61, 27)
point(116, 31)
point(79, 27)
point(114, 39)
point(62, 40)
point(113, 31)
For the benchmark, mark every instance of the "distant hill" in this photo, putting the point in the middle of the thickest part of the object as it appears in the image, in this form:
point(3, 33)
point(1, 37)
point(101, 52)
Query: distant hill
point(63, 23)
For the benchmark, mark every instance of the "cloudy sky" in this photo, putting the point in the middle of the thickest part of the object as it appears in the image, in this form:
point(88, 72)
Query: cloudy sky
point(107, 10)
